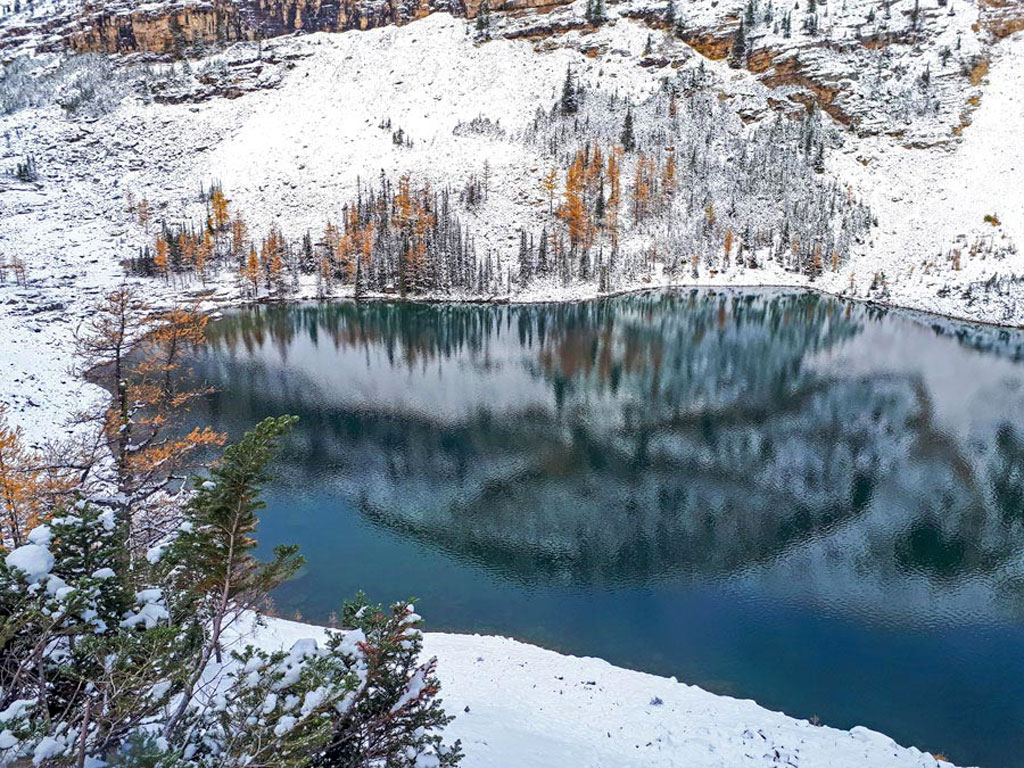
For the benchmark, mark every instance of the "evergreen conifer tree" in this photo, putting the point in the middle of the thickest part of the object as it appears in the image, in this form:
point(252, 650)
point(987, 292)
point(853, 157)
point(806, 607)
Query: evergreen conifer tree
point(738, 54)
point(628, 138)
point(570, 97)
point(483, 20)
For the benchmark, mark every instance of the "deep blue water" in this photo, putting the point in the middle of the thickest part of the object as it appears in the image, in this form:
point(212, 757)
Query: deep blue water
point(777, 496)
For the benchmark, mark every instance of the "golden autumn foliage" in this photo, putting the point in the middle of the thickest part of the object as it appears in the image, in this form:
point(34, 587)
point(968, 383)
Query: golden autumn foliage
point(403, 202)
point(573, 209)
point(19, 497)
point(219, 204)
point(643, 187)
point(251, 270)
point(31, 484)
point(204, 251)
point(549, 184)
point(150, 394)
point(160, 255)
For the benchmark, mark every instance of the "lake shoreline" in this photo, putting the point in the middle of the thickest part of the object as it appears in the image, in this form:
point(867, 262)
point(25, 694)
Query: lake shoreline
point(513, 698)
point(581, 298)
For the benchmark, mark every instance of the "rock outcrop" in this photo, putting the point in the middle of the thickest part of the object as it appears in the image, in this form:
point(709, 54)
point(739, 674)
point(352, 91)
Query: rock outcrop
point(176, 29)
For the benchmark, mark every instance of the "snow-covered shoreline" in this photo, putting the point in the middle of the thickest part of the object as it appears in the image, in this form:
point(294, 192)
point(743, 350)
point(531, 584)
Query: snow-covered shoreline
point(519, 705)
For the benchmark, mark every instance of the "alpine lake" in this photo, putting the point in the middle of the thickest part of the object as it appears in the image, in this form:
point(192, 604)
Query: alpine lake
point(773, 495)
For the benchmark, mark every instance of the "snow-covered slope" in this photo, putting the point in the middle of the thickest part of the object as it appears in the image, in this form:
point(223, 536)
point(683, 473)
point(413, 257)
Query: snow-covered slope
point(519, 705)
point(931, 201)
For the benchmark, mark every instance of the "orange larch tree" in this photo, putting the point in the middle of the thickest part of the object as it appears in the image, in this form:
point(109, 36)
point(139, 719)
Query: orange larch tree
point(19, 512)
point(160, 255)
point(143, 427)
point(574, 209)
point(251, 271)
point(219, 204)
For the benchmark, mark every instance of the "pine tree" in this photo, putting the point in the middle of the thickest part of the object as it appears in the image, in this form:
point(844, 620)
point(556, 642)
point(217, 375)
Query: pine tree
point(628, 139)
point(542, 253)
point(221, 578)
point(525, 260)
point(103, 667)
point(483, 20)
point(398, 720)
point(738, 53)
point(570, 97)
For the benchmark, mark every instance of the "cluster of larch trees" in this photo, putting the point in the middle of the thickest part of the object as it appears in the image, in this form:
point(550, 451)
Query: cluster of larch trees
point(677, 178)
point(394, 237)
point(674, 178)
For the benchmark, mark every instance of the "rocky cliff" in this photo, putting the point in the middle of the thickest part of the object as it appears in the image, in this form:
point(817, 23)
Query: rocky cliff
point(178, 29)
point(912, 69)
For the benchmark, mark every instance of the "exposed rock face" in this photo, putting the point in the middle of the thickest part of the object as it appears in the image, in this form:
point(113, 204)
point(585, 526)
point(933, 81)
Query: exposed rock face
point(176, 28)
point(900, 71)
point(1002, 17)
point(715, 44)
point(790, 71)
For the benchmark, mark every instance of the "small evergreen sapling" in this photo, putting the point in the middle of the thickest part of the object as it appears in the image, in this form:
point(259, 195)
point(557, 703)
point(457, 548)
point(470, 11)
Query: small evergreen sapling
point(216, 576)
point(395, 719)
point(483, 20)
point(738, 54)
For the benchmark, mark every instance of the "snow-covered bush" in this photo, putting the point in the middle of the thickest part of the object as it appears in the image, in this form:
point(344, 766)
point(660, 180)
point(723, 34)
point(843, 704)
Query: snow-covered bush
point(393, 717)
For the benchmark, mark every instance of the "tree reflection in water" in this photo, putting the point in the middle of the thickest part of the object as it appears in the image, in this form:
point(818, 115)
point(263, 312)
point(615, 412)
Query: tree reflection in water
point(802, 452)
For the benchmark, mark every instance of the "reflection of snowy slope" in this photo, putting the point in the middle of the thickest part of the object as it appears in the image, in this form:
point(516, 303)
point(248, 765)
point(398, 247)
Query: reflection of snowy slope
point(644, 437)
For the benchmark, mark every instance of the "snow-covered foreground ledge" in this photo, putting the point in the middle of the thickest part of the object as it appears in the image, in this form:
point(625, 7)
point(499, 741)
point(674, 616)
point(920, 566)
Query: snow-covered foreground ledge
point(520, 706)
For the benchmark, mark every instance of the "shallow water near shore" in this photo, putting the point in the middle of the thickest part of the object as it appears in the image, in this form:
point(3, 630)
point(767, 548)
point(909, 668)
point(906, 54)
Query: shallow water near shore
point(782, 496)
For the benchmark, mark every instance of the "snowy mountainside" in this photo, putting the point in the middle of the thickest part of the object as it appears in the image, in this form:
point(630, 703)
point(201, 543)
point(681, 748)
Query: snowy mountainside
point(295, 127)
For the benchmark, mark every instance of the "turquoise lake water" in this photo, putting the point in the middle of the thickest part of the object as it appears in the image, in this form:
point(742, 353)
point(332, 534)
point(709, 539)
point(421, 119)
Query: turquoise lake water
point(779, 496)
